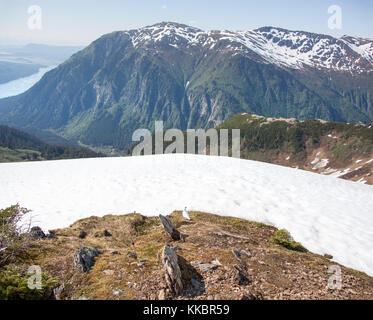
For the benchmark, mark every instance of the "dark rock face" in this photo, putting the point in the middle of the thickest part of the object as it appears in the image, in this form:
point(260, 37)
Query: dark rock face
point(107, 233)
point(84, 258)
point(82, 234)
point(36, 233)
point(51, 235)
point(131, 255)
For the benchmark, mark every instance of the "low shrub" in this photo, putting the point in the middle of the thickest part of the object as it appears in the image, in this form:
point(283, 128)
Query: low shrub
point(13, 231)
point(14, 285)
point(284, 239)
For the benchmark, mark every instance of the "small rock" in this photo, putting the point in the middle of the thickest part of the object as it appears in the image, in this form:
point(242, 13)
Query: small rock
point(83, 298)
point(118, 292)
point(241, 253)
point(131, 255)
point(108, 272)
point(140, 264)
point(205, 267)
point(114, 252)
point(107, 233)
point(216, 262)
point(82, 234)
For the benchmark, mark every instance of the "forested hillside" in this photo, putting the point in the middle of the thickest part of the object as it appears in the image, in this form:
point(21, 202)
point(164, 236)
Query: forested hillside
point(16, 145)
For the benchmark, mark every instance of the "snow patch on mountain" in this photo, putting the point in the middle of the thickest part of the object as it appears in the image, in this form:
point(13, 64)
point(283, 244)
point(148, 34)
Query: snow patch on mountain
point(325, 214)
point(363, 47)
point(291, 49)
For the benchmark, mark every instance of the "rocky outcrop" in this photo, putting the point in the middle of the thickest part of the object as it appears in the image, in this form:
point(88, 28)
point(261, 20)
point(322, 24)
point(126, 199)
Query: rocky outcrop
point(36, 233)
point(84, 258)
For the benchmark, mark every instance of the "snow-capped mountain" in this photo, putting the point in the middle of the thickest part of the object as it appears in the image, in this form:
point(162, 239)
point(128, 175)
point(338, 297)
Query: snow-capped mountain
point(293, 49)
point(191, 78)
point(364, 47)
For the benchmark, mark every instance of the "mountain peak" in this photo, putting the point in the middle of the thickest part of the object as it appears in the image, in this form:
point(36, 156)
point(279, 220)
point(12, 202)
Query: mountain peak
point(171, 24)
point(273, 45)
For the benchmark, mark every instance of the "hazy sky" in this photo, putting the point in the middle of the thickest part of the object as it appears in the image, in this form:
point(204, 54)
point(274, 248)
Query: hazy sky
point(82, 21)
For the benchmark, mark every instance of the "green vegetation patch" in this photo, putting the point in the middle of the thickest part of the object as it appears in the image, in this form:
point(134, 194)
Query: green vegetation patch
point(14, 285)
point(284, 239)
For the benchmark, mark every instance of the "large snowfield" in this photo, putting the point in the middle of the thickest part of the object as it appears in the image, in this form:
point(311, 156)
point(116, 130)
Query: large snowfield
point(325, 214)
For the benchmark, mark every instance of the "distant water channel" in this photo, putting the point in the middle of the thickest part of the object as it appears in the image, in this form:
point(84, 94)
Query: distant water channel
point(14, 87)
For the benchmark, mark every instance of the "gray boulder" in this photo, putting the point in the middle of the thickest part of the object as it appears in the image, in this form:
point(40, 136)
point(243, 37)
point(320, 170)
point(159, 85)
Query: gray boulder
point(84, 258)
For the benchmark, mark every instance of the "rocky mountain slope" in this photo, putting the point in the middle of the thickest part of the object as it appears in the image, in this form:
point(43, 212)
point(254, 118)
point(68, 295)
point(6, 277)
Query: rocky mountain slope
point(191, 78)
point(329, 148)
point(219, 258)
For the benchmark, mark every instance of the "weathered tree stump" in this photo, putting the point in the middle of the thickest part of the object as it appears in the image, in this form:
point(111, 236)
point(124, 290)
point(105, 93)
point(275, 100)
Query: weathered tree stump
point(172, 270)
point(170, 228)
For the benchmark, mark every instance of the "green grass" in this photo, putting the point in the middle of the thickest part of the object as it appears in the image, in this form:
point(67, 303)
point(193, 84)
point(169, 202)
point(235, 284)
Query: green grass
point(13, 155)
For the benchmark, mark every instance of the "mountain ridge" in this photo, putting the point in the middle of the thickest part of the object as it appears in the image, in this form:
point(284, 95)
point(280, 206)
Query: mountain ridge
point(126, 80)
point(242, 37)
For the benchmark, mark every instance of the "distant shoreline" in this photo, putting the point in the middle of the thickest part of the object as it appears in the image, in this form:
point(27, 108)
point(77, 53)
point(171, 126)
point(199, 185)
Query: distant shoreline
point(15, 87)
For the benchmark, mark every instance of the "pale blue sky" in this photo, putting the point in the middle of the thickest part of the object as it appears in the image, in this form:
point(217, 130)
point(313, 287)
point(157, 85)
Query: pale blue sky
point(82, 21)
